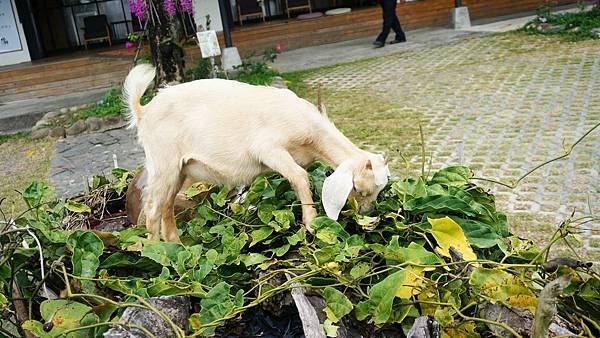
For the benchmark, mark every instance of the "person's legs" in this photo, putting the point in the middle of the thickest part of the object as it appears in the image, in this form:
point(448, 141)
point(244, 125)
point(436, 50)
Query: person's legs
point(388, 8)
point(400, 37)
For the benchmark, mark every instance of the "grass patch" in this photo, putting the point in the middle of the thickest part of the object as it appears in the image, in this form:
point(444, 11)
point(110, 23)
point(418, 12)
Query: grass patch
point(12, 137)
point(22, 160)
point(572, 26)
point(370, 121)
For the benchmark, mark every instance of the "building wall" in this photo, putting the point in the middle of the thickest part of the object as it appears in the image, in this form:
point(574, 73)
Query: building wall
point(9, 58)
point(208, 7)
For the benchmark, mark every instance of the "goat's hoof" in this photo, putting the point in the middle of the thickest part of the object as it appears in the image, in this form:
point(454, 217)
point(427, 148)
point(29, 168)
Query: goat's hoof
point(173, 239)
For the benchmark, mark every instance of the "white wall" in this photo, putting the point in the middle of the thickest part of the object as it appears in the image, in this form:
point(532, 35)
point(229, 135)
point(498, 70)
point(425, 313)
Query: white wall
point(208, 7)
point(22, 55)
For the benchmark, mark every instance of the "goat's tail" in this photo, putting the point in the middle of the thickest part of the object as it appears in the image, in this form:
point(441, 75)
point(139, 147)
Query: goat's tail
point(136, 83)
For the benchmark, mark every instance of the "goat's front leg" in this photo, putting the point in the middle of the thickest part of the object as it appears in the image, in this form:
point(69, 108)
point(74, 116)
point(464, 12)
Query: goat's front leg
point(282, 162)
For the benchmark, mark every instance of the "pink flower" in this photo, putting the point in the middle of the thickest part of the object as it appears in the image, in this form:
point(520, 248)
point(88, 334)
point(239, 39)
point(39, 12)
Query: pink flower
point(129, 44)
point(137, 7)
point(170, 7)
point(187, 6)
point(278, 48)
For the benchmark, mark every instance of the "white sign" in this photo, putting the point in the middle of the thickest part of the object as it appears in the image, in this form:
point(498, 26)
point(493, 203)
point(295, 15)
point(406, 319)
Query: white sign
point(9, 32)
point(209, 44)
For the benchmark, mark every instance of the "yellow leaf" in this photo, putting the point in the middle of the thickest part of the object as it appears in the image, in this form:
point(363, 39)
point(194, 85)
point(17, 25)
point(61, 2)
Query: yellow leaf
point(30, 153)
point(429, 294)
point(499, 285)
point(448, 234)
point(413, 278)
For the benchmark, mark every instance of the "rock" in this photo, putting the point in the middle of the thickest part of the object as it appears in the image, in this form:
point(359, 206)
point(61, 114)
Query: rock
point(57, 132)
point(550, 28)
point(52, 114)
point(113, 120)
point(278, 82)
point(596, 31)
point(575, 29)
point(424, 327)
point(177, 308)
point(82, 107)
point(39, 133)
point(43, 123)
point(93, 123)
point(73, 109)
point(64, 110)
point(77, 128)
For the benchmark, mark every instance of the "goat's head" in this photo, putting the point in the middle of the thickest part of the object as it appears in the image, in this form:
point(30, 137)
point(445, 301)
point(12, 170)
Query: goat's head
point(361, 177)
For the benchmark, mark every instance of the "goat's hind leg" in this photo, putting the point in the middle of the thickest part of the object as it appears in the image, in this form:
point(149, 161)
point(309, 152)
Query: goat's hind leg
point(162, 189)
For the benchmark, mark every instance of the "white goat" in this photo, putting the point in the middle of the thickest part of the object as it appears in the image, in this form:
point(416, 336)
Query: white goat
point(227, 132)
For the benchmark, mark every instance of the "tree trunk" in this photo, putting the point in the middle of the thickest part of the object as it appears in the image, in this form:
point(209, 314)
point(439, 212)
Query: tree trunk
point(165, 35)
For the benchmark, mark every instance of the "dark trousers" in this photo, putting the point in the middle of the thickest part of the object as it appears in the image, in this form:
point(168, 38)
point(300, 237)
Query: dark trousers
point(390, 21)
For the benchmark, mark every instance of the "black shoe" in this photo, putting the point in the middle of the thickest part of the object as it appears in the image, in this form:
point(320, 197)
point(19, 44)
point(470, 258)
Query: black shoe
point(397, 41)
point(378, 44)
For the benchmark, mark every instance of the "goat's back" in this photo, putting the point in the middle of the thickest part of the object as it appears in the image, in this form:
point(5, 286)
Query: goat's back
point(218, 121)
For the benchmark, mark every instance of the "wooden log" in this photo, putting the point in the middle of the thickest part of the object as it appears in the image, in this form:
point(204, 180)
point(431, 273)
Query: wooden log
point(310, 321)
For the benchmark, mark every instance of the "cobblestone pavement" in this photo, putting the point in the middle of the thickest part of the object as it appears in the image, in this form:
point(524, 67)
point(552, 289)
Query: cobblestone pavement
point(76, 159)
point(500, 104)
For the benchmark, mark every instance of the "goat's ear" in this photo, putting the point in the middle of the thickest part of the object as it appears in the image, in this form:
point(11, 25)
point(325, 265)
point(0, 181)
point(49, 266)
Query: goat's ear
point(381, 175)
point(336, 189)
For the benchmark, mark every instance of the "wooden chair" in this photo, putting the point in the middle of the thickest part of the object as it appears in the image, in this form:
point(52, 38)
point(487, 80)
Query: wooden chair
point(96, 28)
point(292, 5)
point(250, 8)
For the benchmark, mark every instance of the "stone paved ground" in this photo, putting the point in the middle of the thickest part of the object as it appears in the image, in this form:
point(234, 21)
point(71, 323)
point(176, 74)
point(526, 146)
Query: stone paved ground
point(76, 159)
point(500, 104)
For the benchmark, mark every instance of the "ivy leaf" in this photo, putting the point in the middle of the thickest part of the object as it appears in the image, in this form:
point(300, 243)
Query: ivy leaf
point(282, 250)
point(128, 260)
point(77, 207)
point(414, 253)
point(338, 305)
point(359, 270)
point(65, 315)
point(504, 287)
point(239, 298)
point(197, 189)
point(480, 234)
point(298, 237)
point(381, 297)
point(366, 222)
point(452, 176)
point(329, 328)
point(449, 234)
point(36, 193)
point(216, 305)
point(260, 234)
point(220, 198)
point(329, 230)
point(265, 211)
point(439, 203)
point(409, 189)
point(253, 259)
point(163, 253)
point(87, 248)
point(284, 218)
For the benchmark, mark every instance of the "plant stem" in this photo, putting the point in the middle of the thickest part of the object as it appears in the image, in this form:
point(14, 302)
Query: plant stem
point(91, 326)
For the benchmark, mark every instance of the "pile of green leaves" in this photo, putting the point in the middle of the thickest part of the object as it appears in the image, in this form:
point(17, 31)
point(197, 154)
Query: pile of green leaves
point(574, 26)
point(431, 246)
point(258, 71)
